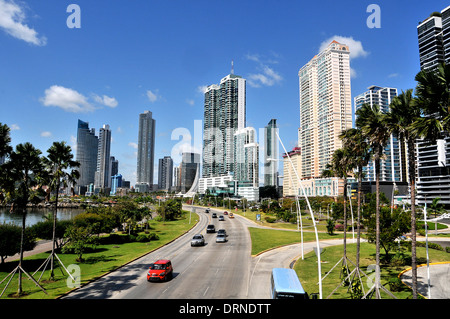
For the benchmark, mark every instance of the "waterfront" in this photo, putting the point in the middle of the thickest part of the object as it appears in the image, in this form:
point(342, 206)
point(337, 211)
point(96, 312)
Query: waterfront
point(35, 215)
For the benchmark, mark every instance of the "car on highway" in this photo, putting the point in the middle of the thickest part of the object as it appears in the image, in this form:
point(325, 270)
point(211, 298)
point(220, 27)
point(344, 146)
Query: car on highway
point(214, 215)
point(221, 238)
point(198, 240)
point(207, 210)
point(222, 231)
point(211, 229)
point(160, 270)
point(225, 213)
point(221, 218)
point(231, 215)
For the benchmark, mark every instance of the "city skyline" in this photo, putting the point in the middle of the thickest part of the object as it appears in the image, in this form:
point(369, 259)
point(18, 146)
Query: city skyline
point(160, 57)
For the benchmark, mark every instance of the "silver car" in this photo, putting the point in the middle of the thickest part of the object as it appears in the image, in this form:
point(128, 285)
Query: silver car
point(198, 240)
point(221, 238)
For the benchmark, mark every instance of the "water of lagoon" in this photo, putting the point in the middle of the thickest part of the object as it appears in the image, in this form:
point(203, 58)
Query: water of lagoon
point(35, 215)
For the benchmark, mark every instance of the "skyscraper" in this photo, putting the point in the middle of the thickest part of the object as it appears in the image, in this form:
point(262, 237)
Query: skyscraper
point(146, 150)
point(189, 171)
point(391, 164)
point(224, 113)
point(86, 155)
point(246, 157)
point(431, 47)
point(325, 111)
point(165, 171)
point(433, 159)
point(271, 154)
point(102, 174)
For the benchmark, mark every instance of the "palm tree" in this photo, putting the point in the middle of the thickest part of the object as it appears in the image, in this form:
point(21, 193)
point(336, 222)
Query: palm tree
point(5, 149)
point(25, 167)
point(359, 153)
point(404, 113)
point(341, 166)
point(433, 93)
point(60, 166)
point(371, 121)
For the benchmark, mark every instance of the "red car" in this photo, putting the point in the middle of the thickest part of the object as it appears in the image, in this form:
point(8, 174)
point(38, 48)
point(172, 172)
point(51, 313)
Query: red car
point(225, 213)
point(161, 270)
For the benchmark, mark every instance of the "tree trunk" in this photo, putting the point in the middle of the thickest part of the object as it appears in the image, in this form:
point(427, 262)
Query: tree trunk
point(52, 260)
point(22, 237)
point(377, 220)
point(358, 218)
point(412, 182)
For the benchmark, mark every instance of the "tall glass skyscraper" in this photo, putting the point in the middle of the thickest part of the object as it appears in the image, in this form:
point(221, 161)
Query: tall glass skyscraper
point(271, 154)
point(246, 157)
point(86, 155)
point(224, 113)
point(165, 171)
point(103, 173)
point(146, 150)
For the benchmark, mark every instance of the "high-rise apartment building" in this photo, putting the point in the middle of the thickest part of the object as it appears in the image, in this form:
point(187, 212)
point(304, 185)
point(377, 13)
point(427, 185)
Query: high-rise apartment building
point(146, 150)
point(325, 111)
point(431, 47)
point(391, 168)
point(246, 157)
point(165, 171)
point(103, 173)
point(189, 172)
point(86, 155)
point(433, 159)
point(271, 154)
point(224, 113)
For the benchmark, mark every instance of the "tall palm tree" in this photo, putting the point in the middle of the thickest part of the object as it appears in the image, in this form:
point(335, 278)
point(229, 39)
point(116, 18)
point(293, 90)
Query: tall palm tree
point(372, 123)
point(404, 113)
point(61, 168)
point(25, 167)
point(341, 166)
point(359, 153)
point(5, 149)
point(433, 93)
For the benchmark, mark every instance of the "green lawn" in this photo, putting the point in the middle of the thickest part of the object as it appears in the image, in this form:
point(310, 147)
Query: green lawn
point(104, 259)
point(307, 269)
point(264, 239)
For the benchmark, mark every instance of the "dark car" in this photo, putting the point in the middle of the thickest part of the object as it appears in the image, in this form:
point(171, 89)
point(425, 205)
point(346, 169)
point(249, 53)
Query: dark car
point(160, 270)
point(214, 215)
point(210, 229)
point(207, 210)
point(222, 231)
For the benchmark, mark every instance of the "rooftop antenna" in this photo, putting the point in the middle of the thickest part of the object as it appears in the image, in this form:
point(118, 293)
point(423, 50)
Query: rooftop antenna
point(232, 67)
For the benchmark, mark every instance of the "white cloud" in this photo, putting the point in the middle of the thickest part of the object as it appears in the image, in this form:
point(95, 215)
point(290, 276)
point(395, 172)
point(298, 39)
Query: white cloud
point(106, 100)
point(152, 97)
point(266, 75)
point(14, 127)
point(190, 102)
point(133, 145)
point(393, 75)
point(12, 21)
point(202, 89)
point(67, 99)
point(355, 47)
point(46, 134)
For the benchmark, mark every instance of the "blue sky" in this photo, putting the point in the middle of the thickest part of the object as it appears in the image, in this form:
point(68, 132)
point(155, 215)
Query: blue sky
point(132, 56)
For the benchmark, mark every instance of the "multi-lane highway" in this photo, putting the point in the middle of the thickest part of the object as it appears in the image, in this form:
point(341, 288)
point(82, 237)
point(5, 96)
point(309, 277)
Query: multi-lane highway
point(213, 271)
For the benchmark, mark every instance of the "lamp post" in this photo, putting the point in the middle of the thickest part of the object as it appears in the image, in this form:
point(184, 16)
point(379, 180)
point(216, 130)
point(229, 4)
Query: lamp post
point(319, 266)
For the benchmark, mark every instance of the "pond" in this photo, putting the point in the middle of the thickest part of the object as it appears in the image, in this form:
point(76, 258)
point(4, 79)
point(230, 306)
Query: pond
point(35, 215)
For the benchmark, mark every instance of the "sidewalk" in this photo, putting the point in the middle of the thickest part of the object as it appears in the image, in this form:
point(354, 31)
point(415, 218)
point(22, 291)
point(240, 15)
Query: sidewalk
point(41, 247)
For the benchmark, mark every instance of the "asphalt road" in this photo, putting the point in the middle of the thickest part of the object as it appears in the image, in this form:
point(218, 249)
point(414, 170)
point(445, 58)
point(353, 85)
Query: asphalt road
point(214, 271)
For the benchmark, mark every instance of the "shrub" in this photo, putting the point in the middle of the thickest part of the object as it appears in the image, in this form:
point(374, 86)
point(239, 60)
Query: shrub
point(153, 236)
point(142, 238)
point(270, 219)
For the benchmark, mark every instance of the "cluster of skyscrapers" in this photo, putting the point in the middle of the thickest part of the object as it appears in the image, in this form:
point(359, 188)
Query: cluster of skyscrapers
point(98, 169)
point(229, 165)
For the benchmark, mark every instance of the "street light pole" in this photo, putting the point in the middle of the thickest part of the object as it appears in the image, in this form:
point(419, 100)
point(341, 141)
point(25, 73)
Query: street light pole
point(319, 266)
